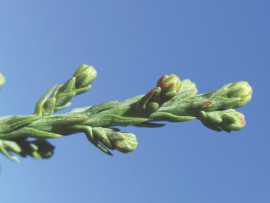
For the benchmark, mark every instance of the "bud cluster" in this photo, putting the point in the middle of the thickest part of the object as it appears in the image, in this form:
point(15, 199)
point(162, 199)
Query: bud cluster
point(104, 138)
point(230, 96)
point(171, 100)
point(62, 95)
point(167, 87)
point(228, 120)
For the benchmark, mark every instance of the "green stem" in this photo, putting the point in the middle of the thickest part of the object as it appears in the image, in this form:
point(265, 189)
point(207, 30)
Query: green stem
point(171, 100)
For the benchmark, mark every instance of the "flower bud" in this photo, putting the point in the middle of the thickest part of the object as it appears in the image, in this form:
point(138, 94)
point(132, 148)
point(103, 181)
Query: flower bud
point(241, 90)
point(2, 80)
point(232, 120)
point(170, 86)
point(85, 75)
point(228, 120)
point(124, 142)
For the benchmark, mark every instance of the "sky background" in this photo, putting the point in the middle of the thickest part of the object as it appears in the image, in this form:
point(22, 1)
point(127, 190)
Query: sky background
point(131, 44)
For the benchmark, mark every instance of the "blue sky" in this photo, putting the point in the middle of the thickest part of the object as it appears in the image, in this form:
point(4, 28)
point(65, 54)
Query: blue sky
point(131, 44)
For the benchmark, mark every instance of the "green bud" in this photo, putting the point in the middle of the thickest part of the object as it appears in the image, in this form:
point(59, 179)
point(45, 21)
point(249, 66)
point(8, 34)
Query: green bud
point(2, 80)
point(85, 75)
point(123, 142)
point(170, 86)
point(110, 138)
point(126, 142)
point(228, 120)
point(241, 90)
point(232, 120)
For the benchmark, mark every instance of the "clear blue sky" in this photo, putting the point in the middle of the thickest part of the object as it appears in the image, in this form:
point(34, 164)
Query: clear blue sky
point(131, 44)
